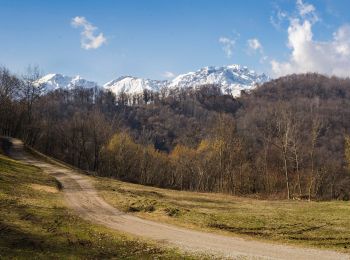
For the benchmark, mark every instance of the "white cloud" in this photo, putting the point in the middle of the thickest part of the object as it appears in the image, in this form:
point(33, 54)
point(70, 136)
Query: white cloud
point(306, 9)
point(168, 74)
point(309, 55)
point(88, 38)
point(263, 59)
point(278, 17)
point(227, 45)
point(255, 45)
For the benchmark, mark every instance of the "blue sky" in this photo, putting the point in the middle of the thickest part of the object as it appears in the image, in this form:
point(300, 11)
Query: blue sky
point(159, 38)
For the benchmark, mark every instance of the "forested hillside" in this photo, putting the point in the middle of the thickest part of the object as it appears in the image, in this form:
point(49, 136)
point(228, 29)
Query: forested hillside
point(286, 138)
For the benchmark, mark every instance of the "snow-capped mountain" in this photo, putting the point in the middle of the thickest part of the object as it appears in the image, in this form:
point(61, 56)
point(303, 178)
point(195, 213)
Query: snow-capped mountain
point(133, 85)
point(52, 82)
point(232, 79)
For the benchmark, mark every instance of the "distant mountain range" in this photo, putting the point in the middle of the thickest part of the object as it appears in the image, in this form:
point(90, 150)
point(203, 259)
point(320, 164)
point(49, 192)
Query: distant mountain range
point(51, 82)
point(231, 79)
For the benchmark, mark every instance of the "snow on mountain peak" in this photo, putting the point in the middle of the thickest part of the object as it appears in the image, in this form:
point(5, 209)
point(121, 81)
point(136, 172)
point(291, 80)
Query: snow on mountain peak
point(232, 79)
point(134, 85)
point(51, 82)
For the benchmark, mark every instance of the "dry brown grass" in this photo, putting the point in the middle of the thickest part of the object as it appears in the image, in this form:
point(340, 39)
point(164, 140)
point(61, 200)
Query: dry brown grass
point(317, 224)
point(35, 223)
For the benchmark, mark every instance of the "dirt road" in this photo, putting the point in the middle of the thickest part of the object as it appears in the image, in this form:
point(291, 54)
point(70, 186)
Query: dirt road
point(83, 198)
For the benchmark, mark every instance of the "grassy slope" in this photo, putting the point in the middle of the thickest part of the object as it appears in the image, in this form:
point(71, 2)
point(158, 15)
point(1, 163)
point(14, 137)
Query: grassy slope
point(35, 223)
point(318, 224)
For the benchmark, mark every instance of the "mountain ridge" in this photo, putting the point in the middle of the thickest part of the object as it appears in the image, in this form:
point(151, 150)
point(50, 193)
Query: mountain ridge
point(54, 81)
point(232, 79)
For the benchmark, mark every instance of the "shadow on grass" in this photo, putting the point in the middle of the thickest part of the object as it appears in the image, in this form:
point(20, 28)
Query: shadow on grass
point(140, 193)
point(13, 237)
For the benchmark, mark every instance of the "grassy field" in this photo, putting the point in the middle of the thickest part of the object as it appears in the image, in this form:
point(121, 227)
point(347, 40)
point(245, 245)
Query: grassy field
point(315, 224)
point(34, 223)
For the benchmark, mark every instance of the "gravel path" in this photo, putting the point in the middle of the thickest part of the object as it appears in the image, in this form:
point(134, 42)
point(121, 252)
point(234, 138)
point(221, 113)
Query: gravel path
point(83, 198)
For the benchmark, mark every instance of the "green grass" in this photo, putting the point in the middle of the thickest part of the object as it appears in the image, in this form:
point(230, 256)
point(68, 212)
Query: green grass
point(315, 224)
point(34, 223)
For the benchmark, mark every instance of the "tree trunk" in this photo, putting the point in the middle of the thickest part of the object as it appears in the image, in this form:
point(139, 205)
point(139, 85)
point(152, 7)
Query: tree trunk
point(286, 174)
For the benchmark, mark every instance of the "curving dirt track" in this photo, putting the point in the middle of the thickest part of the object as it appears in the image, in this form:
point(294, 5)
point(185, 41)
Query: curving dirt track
point(83, 198)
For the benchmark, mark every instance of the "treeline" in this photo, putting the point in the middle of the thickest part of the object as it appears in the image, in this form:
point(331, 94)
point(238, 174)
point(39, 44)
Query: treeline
point(216, 164)
point(296, 126)
point(286, 139)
